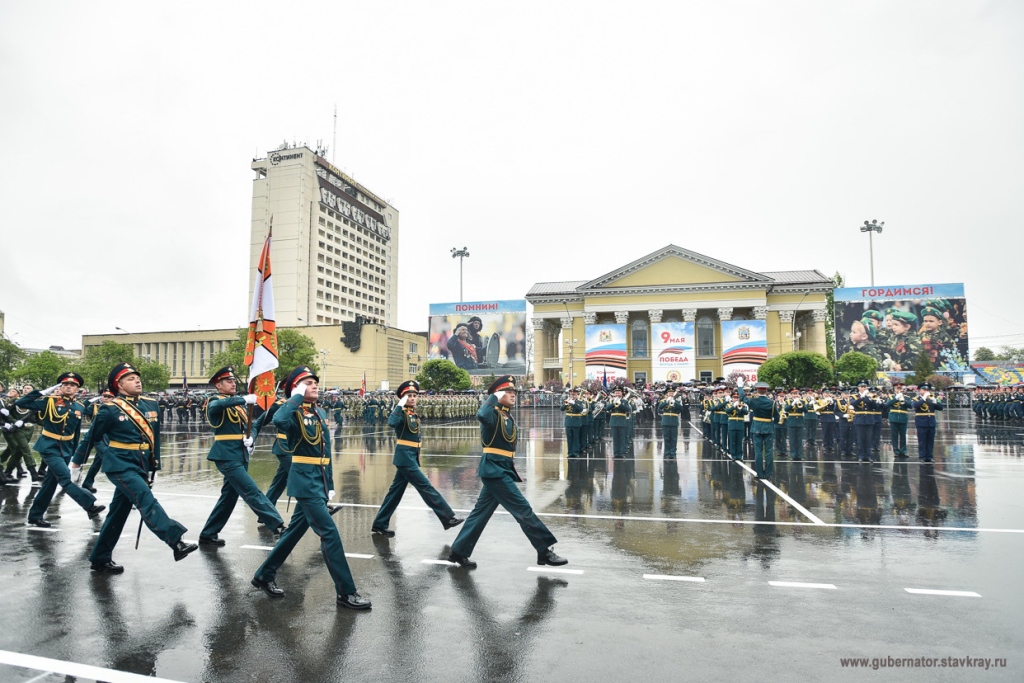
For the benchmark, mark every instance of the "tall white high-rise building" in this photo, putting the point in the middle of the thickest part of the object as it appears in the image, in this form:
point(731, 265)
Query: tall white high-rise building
point(334, 251)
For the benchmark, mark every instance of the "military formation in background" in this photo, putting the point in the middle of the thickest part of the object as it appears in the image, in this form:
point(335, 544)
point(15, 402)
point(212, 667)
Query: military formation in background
point(1005, 403)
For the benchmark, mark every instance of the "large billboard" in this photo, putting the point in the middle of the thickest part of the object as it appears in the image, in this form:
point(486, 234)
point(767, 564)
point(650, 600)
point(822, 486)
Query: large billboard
point(672, 352)
point(481, 337)
point(744, 347)
point(606, 351)
point(896, 324)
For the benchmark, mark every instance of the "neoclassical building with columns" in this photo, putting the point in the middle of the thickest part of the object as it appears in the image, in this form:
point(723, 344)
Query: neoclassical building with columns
point(674, 285)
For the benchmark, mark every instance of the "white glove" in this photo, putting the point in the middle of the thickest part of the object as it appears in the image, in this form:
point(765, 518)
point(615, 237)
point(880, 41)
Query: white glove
point(251, 399)
point(498, 395)
point(401, 403)
point(5, 412)
point(19, 424)
point(76, 473)
point(299, 390)
point(8, 427)
point(248, 442)
point(49, 390)
point(330, 495)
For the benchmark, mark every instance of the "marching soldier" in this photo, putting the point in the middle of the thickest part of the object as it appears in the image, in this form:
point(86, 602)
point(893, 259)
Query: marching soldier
point(60, 416)
point(864, 406)
point(574, 410)
point(670, 407)
point(497, 472)
point(18, 432)
point(811, 418)
point(779, 421)
point(899, 409)
point(925, 408)
point(846, 416)
point(230, 452)
point(794, 409)
point(618, 421)
point(311, 483)
point(405, 422)
point(132, 425)
point(829, 417)
point(97, 463)
point(736, 412)
point(764, 411)
point(284, 459)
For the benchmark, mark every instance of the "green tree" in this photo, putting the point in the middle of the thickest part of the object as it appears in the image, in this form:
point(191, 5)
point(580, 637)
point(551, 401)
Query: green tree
point(941, 382)
point(796, 369)
point(42, 369)
point(984, 353)
point(852, 367)
point(1011, 353)
point(294, 349)
point(442, 375)
point(95, 365)
point(830, 318)
point(923, 369)
point(11, 357)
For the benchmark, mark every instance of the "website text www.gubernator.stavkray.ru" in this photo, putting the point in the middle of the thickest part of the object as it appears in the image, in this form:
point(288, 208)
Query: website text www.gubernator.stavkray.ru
point(876, 663)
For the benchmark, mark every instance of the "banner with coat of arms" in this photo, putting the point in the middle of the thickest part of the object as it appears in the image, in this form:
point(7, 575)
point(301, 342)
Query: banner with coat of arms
point(606, 351)
point(744, 347)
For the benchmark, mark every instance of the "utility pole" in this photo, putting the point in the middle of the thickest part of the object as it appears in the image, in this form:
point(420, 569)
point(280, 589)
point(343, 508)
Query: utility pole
point(460, 254)
point(870, 228)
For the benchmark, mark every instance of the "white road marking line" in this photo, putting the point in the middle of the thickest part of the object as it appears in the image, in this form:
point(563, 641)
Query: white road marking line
point(929, 591)
point(39, 528)
point(804, 511)
point(359, 556)
point(797, 584)
point(257, 547)
point(667, 577)
point(93, 673)
point(554, 570)
point(446, 563)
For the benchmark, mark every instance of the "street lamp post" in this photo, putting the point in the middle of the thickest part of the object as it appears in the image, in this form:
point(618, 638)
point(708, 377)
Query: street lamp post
point(460, 254)
point(872, 227)
point(323, 365)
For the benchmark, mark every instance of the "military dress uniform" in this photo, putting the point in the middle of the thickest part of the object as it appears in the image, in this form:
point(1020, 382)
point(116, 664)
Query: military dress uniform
point(736, 412)
point(779, 422)
point(574, 410)
point(407, 463)
point(924, 421)
point(498, 475)
point(18, 433)
point(60, 418)
point(101, 448)
point(230, 453)
point(670, 407)
point(829, 418)
point(899, 417)
point(132, 426)
point(864, 407)
point(763, 412)
point(284, 458)
point(619, 422)
point(795, 407)
point(310, 483)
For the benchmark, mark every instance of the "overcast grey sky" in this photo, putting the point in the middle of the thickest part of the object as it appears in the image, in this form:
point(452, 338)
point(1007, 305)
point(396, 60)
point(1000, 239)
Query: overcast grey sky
point(556, 140)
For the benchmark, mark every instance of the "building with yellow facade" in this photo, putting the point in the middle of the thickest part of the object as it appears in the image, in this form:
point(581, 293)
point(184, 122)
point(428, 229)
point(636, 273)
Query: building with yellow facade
point(387, 355)
point(674, 285)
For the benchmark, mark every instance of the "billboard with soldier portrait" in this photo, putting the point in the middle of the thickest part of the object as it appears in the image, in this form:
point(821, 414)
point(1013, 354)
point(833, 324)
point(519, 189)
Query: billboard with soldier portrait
point(896, 324)
point(481, 337)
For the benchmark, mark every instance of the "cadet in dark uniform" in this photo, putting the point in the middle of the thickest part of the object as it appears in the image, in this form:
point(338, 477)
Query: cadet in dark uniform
point(925, 408)
point(132, 425)
point(497, 472)
point(899, 409)
point(311, 484)
point(864, 407)
point(97, 463)
point(795, 407)
point(735, 413)
point(284, 458)
point(404, 421)
point(764, 411)
point(574, 410)
point(618, 421)
point(60, 417)
point(18, 433)
point(231, 449)
point(670, 407)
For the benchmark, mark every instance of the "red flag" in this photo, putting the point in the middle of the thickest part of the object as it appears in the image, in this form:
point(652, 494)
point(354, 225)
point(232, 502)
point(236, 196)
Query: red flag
point(261, 352)
point(362, 391)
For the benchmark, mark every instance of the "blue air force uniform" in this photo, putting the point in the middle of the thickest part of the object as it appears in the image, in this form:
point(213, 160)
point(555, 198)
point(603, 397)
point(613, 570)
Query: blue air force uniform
point(924, 421)
point(497, 472)
point(406, 424)
point(310, 483)
point(60, 419)
point(670, 408)
point(899, 417)
point(230, 453)
point(865, 407)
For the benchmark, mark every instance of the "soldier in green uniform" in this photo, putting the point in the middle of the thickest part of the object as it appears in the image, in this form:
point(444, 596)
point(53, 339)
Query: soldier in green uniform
point(497, 472)
point(779, 420)
point(232, 446)
point(795, 424)
point(60, 417)
point(574, 409)
point(405, 422)
point(899, 417)
point(735, 412)
point(19, 436)
point(311, 484)
point(906, 346)
point(132, 426)
point(764, 411)
point(284, 458)
point(587, 423)
point(618, 417)
point(670, 407)
point(97, 463)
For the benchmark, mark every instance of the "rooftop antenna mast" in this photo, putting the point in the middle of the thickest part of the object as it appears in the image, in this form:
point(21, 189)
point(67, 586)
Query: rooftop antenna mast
point(334, 142)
